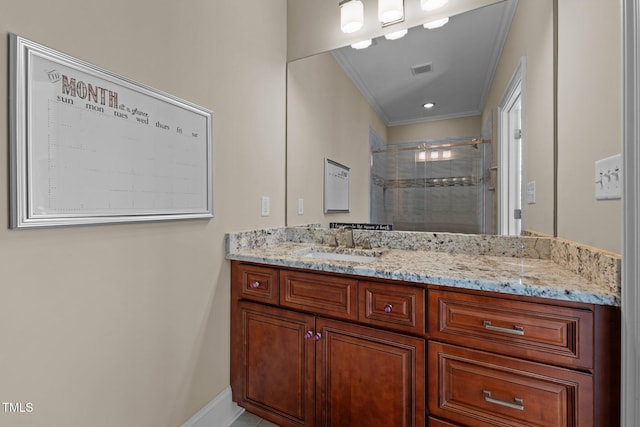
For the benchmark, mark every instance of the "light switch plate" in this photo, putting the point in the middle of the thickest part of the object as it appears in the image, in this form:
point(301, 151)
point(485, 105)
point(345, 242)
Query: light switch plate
point(531, 192)
point(265, 206)
point(608, 178)
point(300, 206)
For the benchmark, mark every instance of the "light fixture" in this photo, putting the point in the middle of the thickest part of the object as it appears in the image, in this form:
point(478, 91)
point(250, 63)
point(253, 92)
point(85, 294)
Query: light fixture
point(362, 45)
point(429, 105)
point(396, 34)
point(432, 4)
point(390, 11)
point(421, 156)
point(437, 23)
point(351, 15)
point(446, 154)
point(434, 154)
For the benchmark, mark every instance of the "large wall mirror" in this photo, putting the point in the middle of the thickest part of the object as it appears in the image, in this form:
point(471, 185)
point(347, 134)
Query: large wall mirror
point(473, 163)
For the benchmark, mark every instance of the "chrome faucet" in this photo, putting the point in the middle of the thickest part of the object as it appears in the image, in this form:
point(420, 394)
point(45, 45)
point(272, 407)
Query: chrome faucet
point(345, 237)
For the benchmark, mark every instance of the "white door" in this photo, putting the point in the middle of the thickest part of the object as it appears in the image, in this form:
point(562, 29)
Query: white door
point(510, 175)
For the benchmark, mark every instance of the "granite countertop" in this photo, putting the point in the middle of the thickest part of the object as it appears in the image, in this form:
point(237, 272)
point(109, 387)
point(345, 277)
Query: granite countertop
point(456, 262)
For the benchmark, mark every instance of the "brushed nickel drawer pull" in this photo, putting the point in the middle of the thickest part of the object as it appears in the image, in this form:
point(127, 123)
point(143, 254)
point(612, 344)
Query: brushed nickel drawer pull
point(519, 405)
point(517, 330)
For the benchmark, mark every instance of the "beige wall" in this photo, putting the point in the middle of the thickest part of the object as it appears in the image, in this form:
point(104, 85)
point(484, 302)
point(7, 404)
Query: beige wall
point(128, 325)
point(327, 117)
point(531, 37)
point(450, 128)
point(589, 118)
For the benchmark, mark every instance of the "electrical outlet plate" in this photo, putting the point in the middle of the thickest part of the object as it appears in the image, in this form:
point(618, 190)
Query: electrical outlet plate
point(608, 178)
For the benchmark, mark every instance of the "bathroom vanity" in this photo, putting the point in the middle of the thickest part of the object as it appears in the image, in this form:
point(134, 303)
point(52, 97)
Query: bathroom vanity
point(469, 332)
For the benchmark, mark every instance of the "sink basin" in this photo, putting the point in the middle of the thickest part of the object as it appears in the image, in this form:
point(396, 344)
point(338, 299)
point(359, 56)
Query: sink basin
point(342, 254)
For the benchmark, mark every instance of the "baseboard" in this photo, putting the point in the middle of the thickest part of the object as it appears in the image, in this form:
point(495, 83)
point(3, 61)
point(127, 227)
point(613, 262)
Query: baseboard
point(220, 412)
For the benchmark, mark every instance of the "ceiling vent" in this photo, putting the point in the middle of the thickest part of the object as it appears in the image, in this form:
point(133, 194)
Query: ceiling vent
point(421, 69)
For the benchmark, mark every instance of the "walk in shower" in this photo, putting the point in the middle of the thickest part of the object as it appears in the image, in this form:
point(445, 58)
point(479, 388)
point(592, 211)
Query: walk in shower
point(435, 185)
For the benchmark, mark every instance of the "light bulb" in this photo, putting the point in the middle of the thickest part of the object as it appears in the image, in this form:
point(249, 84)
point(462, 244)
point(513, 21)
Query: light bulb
point(351, 16)
point(390, 10)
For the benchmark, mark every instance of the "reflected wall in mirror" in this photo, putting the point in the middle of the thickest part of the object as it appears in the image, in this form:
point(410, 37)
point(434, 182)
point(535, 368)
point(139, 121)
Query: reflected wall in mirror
point(334, 112)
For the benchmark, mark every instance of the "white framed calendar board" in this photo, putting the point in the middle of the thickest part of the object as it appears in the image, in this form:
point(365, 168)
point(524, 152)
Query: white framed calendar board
point(337, 179)
point(88, 146)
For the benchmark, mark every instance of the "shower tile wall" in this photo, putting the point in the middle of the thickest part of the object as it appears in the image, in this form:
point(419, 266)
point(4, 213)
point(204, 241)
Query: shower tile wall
point(433, 195)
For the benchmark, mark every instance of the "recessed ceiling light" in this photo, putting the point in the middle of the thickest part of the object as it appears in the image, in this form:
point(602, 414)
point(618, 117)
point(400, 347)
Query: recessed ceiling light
point(396, 35)
point(436, 24)
point(362, 45)
point(429, 105)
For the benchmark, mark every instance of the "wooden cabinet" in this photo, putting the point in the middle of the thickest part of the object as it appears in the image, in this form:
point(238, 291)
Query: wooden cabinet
point(509, 361)
point(295, 366)
point(322, 349)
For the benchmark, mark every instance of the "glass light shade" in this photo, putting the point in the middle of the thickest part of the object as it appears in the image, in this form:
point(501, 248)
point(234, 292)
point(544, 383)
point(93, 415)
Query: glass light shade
point(396, 35)
point(432, 4)
point(390, 10)
point(362, 45)
point(351, 16)
point(446, 154)
point(436, 24)
point(421, 156)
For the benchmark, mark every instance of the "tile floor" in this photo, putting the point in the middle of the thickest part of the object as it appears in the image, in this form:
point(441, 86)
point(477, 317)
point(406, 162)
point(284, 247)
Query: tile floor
point(249, 420)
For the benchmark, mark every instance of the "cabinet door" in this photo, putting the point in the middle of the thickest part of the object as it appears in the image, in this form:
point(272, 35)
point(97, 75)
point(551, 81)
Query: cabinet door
point(277, 364)
point(366, 377)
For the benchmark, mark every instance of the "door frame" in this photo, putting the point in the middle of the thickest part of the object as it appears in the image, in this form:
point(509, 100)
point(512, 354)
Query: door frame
point(630, 411)
point(518, 80)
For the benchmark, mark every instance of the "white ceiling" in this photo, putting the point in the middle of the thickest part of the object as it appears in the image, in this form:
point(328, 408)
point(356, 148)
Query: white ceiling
point(463, 54)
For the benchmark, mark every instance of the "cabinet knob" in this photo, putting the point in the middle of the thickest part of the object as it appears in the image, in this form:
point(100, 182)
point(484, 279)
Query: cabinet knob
point(388, 308)
point(310, 334)
point(254, 285)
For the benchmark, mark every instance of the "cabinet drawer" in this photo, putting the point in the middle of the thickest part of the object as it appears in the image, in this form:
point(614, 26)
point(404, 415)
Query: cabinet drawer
point(258, 283)
point(321, 294)
point(545, 333)
point(391, 306)
point(482, 389)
